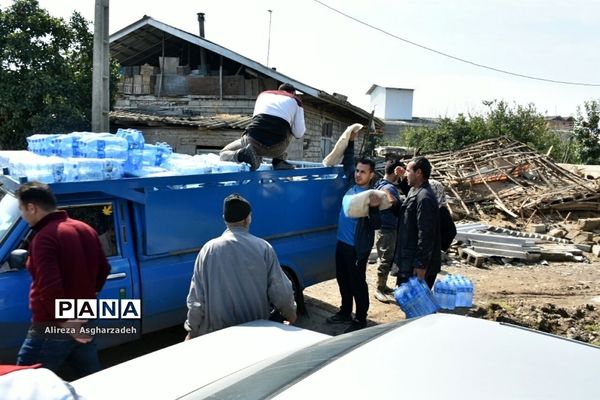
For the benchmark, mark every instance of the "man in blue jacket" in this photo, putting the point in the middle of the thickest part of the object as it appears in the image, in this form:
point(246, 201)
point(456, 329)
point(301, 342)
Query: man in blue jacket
point(355, 241)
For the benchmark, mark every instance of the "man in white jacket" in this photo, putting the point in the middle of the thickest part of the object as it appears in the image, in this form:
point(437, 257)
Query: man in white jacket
point(278, 118)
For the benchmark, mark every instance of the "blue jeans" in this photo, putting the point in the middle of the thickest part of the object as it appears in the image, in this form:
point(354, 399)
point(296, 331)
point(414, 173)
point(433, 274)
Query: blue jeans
point(52, 353)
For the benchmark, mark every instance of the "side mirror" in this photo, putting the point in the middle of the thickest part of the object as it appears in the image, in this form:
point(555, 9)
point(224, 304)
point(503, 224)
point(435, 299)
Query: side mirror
point(17, 259)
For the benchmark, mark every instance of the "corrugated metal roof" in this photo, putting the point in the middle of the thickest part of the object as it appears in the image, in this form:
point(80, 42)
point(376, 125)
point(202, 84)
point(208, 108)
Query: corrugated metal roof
point(221, 121)
point(143, 39)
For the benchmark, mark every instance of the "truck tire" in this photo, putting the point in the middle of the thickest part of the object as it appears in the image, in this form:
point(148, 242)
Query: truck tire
point(298, 294)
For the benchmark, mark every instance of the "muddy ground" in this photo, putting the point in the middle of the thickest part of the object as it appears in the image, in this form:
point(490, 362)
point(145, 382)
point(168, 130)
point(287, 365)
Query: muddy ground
point(560, 298)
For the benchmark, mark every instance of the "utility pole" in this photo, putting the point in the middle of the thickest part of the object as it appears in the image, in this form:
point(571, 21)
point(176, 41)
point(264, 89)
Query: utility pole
point(269, 40)
point(101, 71)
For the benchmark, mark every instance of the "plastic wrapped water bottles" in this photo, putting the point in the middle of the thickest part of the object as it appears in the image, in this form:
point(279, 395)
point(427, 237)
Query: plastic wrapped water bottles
point(103, 145)
point(41, 144)
point(415, 298)
point(135, 147)
point(68, 145)
point(454, 291)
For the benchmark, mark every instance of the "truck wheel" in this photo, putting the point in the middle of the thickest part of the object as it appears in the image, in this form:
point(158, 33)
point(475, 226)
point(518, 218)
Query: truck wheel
point(298, 295)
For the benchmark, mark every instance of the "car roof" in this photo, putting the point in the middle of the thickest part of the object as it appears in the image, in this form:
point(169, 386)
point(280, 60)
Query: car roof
point(439, 356)
point(454, 357)
point(179, 369)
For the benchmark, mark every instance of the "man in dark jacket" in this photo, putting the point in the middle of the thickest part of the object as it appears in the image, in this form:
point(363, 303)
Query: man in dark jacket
point(418, 247)
point(66, 261)
point(355, 241)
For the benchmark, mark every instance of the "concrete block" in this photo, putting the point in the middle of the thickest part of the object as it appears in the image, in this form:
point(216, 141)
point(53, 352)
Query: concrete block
point(583, 237)
point(471, 256)
point(584, 247)
point(596, 250)
point(589, 224)
point(557, 232)
point(537, 228)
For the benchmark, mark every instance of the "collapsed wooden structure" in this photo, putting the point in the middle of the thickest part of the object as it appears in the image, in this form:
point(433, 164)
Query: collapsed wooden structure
point(507, 175)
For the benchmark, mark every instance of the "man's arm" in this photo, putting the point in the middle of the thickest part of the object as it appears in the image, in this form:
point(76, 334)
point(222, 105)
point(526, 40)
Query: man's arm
point(374, 214)
point(44, 256)
point(426, 211)
point(297, 125)
point(195, 300)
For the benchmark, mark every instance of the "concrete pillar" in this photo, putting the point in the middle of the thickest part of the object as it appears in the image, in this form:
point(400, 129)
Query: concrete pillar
point(101, 72)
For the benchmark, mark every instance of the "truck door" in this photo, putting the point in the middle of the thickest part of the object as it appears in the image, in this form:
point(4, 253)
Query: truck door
point(109, 219)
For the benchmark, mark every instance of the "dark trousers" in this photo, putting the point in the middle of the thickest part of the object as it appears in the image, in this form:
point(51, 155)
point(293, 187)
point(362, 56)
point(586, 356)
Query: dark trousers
point(352, 280)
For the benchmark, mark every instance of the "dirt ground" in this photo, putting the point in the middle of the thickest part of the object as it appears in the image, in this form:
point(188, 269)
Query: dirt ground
point(560, 298)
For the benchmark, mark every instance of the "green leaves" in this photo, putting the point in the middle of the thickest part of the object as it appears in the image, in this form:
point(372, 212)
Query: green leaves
point(587, 133)
point(45, 75)
point(523, 123)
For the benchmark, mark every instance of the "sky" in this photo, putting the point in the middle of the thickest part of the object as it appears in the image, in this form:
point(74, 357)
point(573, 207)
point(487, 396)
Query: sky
point(550, 39)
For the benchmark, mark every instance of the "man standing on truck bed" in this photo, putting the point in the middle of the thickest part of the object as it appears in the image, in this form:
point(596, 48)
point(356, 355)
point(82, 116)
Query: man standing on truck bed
point(278, 118)
point(237, 277)
point(355, 241)
point(66, 261)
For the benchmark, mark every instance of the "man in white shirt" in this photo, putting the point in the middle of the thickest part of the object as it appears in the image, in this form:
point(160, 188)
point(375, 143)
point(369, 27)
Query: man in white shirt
point(278, 118)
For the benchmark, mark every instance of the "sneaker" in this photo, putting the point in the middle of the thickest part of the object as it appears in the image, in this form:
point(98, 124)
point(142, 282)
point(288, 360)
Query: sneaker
point(282, 164)
point(339, 319)
point(383, 297)
point(248, 155)
point(356, 325)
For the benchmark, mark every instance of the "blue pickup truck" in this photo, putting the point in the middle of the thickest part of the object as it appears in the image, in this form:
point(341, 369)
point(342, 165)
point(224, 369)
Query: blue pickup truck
point(152, 229)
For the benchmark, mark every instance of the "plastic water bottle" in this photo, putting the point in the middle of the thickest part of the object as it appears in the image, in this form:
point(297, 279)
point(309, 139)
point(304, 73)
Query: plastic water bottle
point(470, 290)
point(91, 169)
point(451, 293)
point(71, 169)
point(135, 146)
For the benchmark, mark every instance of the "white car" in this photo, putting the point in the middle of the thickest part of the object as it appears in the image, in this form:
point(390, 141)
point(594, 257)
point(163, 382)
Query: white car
point(440, 356)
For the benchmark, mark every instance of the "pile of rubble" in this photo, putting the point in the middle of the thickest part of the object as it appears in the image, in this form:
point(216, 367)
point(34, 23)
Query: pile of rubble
point(505, 175)
point(579, 324)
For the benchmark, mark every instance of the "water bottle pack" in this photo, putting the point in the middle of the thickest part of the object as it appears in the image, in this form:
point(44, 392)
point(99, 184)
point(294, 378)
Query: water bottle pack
point(84, 156)
point(415, 298)
point(454, 291)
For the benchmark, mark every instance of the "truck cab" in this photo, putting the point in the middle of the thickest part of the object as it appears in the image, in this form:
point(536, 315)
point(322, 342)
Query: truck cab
point(152, 229)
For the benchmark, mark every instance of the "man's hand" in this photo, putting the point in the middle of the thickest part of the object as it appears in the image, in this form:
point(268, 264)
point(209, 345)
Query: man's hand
point(188, 336)
point(420, 272)
point(374, 200)
point(354, 134)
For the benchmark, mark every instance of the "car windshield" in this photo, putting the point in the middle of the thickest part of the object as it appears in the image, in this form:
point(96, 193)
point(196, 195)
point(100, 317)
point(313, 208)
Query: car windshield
point(267, 378)
point(9, 213)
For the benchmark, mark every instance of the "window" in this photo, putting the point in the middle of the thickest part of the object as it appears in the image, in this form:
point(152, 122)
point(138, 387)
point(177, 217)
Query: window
point(101, 218)
point(326, 139)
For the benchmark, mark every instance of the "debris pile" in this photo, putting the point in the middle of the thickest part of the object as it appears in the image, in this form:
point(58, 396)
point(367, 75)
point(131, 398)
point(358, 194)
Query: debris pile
point(507, 175)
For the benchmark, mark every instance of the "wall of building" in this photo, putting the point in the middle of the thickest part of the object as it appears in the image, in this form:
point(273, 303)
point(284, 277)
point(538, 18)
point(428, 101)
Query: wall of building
point(398, 104)
point(188, 139)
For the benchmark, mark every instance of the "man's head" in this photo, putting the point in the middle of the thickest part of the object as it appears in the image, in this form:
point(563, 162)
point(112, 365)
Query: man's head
point(364, 171)
point(394, 169)
point(418, 171)
point(36, 200)
point(236, 210)
point(287, 87)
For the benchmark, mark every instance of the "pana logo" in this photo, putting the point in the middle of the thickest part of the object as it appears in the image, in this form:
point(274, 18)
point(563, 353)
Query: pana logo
point(97, 309)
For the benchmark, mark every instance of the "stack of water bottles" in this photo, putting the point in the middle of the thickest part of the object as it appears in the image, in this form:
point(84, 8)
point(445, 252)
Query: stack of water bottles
point(415, 298)
point(85, 156)
point(454, 291)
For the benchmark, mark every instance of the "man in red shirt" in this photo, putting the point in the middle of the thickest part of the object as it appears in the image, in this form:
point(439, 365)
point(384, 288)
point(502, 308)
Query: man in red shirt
point(66, 261)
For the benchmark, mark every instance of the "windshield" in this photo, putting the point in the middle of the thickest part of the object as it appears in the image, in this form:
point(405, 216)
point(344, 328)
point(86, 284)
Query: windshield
point(9, 213)
point(265, 379)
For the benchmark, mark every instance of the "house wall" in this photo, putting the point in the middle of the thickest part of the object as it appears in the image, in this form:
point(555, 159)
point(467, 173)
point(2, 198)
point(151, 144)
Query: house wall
point(187, 139)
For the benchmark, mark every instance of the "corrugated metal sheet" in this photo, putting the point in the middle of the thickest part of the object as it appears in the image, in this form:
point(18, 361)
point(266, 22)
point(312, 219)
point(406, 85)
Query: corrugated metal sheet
point(221, 121)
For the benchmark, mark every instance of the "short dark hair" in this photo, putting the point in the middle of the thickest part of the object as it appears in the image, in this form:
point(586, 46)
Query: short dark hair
point(287, 87)
point(37, 193)
point(424, 165)
point(390, 165)
point(366, 161)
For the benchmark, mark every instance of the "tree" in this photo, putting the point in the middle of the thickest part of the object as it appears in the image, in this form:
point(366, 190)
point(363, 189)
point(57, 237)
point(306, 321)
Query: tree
point(587, 133)
point(45, 73)
point(522, 123)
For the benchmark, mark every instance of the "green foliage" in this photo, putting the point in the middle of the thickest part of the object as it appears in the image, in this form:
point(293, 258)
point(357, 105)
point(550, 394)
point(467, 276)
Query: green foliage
point(522, 123)
point(587, 133)
point(45, 73)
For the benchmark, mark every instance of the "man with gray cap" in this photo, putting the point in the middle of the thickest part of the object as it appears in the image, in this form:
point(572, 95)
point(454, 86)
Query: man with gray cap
point(237, 277)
